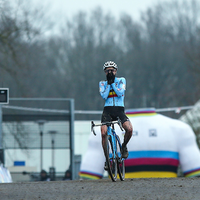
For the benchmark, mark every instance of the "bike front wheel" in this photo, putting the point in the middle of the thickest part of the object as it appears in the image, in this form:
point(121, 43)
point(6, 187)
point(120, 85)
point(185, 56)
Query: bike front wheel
point(120, 161)
point(111, 159)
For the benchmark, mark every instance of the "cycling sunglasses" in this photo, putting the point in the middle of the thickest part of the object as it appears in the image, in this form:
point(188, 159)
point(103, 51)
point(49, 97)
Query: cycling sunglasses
point(109, 70)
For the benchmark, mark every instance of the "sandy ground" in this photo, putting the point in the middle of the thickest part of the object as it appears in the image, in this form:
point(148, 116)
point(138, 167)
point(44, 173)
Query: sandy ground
point(172, 188)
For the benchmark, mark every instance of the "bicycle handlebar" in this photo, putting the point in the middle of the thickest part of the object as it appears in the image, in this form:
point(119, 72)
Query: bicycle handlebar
point(106, 123)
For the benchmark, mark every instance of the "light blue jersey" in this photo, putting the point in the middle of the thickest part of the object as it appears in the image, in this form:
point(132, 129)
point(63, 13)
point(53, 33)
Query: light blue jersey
point(113, 94)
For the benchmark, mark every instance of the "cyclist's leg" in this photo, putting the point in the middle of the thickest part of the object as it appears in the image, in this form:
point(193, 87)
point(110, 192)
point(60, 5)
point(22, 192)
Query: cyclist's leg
point(104, 137)
point(105, 118)
point(103, 140)
point(128, 131)
point(126, 125)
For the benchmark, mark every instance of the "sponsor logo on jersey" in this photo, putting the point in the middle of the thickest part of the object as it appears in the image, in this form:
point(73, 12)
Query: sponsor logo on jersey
point(124, 86)
point(135, 133)
point(152, 133)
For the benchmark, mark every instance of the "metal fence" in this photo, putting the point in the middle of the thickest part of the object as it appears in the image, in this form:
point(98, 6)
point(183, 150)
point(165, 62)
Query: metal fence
point(38, 123)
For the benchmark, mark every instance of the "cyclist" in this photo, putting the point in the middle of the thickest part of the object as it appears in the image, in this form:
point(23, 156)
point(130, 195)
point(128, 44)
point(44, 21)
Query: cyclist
point(159, 145)
point(113, 91)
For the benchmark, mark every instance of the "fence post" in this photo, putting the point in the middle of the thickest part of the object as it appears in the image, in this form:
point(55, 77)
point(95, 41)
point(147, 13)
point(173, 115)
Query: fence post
point(72, 138)
point(1, 133)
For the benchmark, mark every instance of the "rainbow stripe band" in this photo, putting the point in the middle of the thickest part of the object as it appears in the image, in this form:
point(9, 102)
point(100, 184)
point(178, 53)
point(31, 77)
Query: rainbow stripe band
point(156, 164)
point(191, 173)
point(153, 154)
point(89, 175)
point(154, 174)
point(141, 112)
point(151, 168)
point(151, 161)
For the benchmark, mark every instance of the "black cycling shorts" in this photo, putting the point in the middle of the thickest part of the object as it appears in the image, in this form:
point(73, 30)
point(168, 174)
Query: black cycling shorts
point(111, 113)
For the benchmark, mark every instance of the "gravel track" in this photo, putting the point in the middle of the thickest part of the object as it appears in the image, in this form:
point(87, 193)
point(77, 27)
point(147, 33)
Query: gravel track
point(140, 189)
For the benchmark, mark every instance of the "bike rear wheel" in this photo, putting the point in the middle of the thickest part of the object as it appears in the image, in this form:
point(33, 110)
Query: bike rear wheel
point(111, 159)
point(120, 161)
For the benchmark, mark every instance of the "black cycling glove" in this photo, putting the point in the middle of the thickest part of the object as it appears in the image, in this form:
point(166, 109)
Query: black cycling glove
point(110, 78)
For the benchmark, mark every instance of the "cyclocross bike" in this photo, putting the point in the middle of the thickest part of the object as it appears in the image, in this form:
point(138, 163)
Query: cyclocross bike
point(114, 159)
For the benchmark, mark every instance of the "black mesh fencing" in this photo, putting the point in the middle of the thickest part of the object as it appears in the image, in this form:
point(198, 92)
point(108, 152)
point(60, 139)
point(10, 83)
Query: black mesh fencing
point(26, 135)
point(21, 123)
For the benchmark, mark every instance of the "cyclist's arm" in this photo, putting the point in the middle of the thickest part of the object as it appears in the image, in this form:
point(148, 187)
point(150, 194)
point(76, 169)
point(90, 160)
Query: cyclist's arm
point(92, 165)
point(189, 153)
point(104, 89)
point(121, 88)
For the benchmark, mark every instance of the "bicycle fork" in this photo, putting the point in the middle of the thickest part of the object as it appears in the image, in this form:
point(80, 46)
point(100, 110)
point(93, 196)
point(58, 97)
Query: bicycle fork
point(114, 140)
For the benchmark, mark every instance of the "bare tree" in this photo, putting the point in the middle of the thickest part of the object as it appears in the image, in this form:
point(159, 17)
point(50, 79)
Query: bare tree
point(17, 34)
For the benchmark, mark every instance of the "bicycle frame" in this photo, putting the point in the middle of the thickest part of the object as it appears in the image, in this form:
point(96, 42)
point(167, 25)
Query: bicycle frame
point(113, 156)
point(113, 135)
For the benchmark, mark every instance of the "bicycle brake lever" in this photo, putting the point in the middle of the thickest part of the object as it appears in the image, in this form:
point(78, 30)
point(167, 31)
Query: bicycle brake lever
point(92, 128)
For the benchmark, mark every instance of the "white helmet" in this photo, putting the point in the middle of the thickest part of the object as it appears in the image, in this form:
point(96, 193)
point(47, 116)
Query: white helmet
point(110, 64)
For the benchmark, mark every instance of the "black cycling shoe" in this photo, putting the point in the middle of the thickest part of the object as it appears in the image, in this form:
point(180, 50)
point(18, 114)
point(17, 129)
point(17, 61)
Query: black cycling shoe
point(106, 166)
point(124, 151)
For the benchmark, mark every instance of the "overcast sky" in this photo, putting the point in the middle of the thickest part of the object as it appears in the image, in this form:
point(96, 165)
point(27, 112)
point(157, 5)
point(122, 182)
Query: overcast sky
point(60, 9)
point(71, 7)
point(116, 7)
